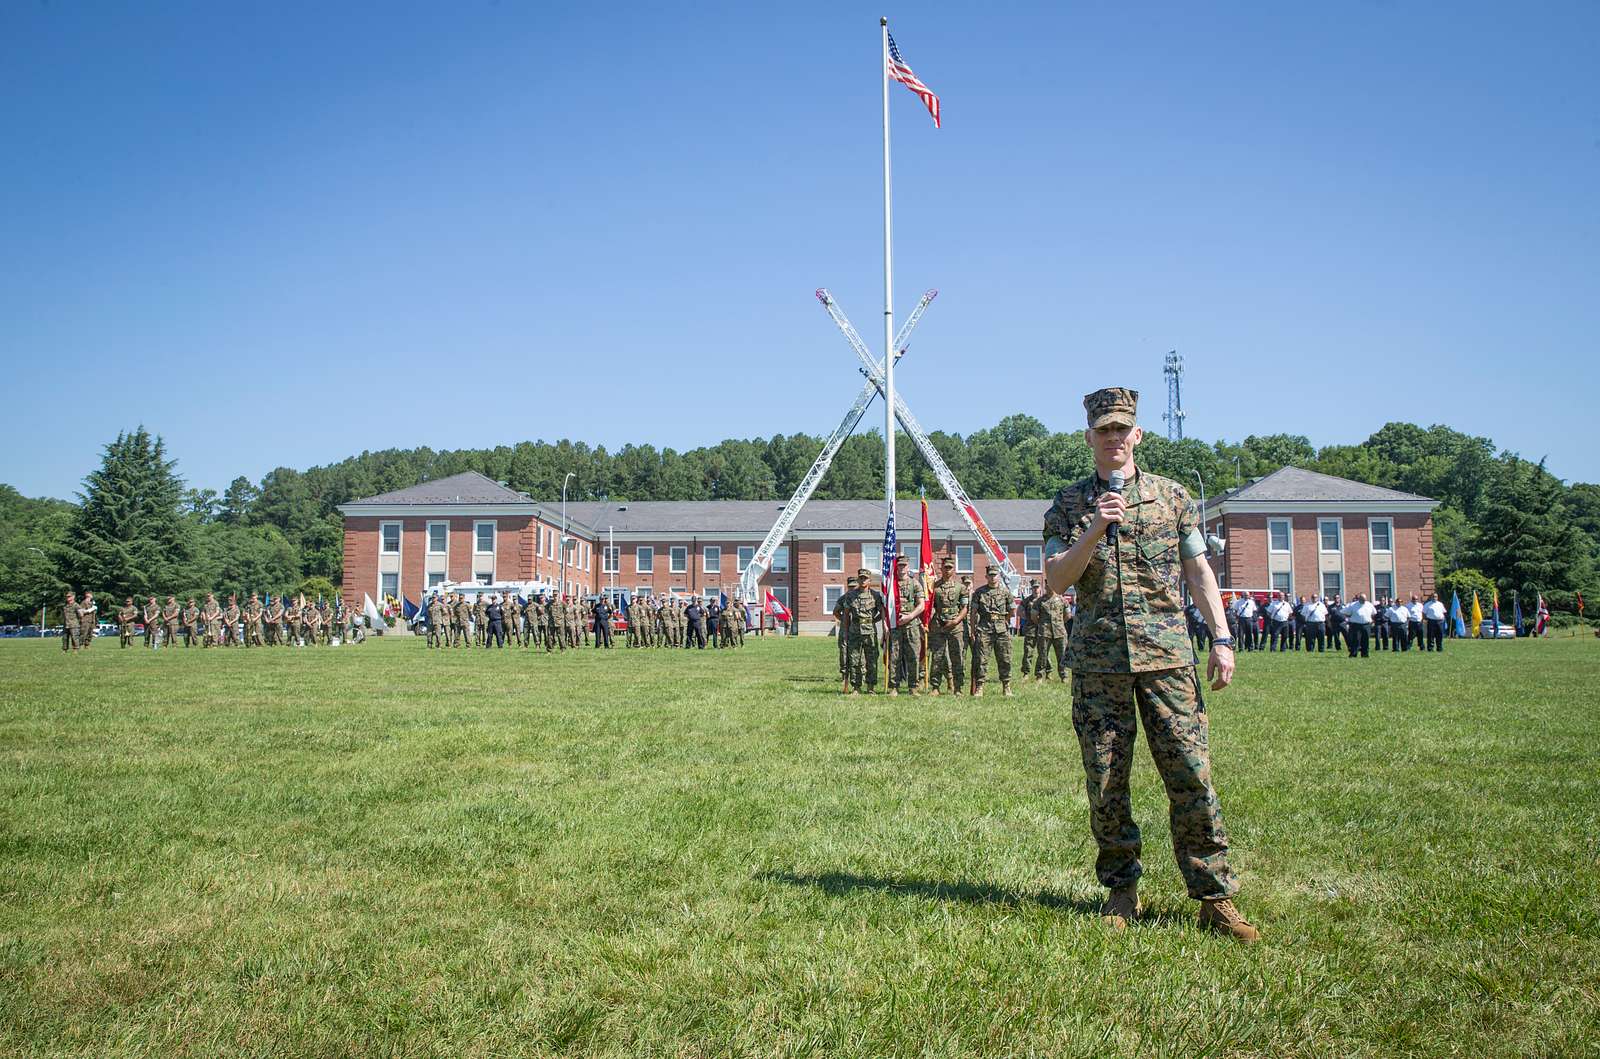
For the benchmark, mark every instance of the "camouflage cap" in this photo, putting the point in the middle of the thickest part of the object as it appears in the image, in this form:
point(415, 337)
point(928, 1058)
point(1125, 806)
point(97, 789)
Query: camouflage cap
point(1114, 404)
point(901, 560)
point(947, 561)
point(864, 571)
point(991, 569)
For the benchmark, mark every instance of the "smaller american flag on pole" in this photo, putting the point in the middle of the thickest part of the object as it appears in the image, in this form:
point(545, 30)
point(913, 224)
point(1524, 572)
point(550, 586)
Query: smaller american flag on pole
point(902, 73)
point(891, 584)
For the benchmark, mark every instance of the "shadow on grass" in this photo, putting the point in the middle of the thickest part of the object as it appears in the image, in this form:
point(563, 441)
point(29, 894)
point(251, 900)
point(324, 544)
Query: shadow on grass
point(842, 884)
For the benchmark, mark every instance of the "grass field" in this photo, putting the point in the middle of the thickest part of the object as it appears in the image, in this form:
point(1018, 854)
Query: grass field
point(380, 850)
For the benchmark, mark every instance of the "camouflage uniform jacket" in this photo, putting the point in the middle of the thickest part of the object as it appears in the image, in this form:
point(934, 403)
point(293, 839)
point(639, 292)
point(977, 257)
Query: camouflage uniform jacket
point(1144, 630)
point(128, 615)
point(912, 592)
point(992, 604)
point(948, 601)
point(1050, 616)
point(864, 608)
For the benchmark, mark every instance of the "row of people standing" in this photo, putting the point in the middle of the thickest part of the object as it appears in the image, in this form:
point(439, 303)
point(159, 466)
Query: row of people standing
point(554, 622)
point(687, 622)
point(258, 623)
point(1317, 623)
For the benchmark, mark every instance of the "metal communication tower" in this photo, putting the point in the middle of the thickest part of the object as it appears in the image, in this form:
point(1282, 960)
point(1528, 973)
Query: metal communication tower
point(1174, 417)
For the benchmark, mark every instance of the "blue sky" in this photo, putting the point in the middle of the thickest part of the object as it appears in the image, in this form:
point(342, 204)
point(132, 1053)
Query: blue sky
point(279, 234)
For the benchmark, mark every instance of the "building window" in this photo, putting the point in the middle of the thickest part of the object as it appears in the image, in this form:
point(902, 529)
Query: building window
point(872, 557)
point(1278, 534)
point(711, 593)
point(610, 559)
point(1282, 582)
point(830, 597)
point(1382, 531)
point(643, 592)
point(833, 559)
point(780, 559)
point(1330, 531)
point(678, 560)
point(390, 586)
point(435, 578)
point(746, 555)
point(1033, 559)
point(390, 532)
point(644, 560)
point(483, 538)
point(781, 594)
point(711, 559)
point(1383, 585)
point(438, 538)
point(963, 558)
point(485, 579)
point(1332, 583)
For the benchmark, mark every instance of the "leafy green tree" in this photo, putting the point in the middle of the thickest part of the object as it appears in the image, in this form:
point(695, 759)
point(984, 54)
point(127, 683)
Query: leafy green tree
point(1525, 541)
point(315, 588)
point(237, 502)
point(130, 535)
point(29, 531)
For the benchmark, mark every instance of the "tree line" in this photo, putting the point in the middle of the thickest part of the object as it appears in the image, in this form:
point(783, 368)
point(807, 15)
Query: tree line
point(137, 528)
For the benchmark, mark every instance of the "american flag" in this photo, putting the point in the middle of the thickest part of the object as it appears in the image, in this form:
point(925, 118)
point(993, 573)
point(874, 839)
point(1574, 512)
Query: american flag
point(891, 584)
point(902, 73)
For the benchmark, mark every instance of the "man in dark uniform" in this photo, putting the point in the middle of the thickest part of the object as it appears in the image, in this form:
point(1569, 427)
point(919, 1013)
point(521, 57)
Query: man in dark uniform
point(696, 617)
point(602, 622)
point(494, 612)
point(1131, 658)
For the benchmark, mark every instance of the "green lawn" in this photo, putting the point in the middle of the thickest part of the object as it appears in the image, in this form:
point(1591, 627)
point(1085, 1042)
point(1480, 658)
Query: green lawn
point(381, 850)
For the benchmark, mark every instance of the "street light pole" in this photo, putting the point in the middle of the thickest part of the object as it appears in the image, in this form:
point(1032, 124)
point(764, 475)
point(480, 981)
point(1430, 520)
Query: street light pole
point(44, 605)
point(570, 474)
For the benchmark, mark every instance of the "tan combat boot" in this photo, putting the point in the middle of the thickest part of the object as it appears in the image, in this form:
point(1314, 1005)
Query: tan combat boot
point(1005, 689)
point(894, 693)
point(977, 692)
point(934, 692)
point(1121, 905)
point(1221, 917)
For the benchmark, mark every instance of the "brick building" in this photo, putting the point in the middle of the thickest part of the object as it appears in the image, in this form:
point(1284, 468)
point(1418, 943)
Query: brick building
point(1305, 533)
point(1293, 529)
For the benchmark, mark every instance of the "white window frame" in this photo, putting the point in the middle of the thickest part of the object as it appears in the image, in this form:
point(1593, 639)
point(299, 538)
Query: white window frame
point(712, 592)
point(643, 591)
point(429, 537)
point(644, 559)
point(1330, 551)
point(494, 541)
point(1375, 594)
point(678, 559)
point(827, 605)
point(1287, 589)
point(389, 573)
point(1033, 558)
point(967, 550)
point(872, 556)
point(708, 554)
point(1372, 546)
point(440, 575)
point(780, 560)
point(781, 594)
point(833, 558)
point(610, 559)
point(1339, 576)
point(744, 555)
point(1288, 536)
point(399, 538)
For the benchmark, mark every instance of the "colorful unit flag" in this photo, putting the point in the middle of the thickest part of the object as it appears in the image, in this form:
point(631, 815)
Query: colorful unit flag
point(1541, 618)
point(925, 561)
point(1456, 621)
point(1494, 620)
point(1477, 615)
point(899, 71)
point(778, 611)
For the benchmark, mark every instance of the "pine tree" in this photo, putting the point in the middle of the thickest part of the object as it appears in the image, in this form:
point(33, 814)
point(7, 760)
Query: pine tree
point(130, 535)
point(1525, 540)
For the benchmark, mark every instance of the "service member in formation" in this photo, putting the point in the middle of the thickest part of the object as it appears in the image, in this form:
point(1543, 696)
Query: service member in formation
point(437, 620)
point(88, 620)
point(949, 603)
point(171, 616)
point(969, 636)
point(152, 621)
point(460, 621)
point(866, 610)
point(291, 622)
point(602, 623)
point(191, 623)
point(271, 618)
point(230, 622)
point(556, 629)
point(69, 622)
point(1130, 656)
point(127, 617)
point(310, 625)
point(494, 612)
point(252, 622)
point(841, 620)
point(211, 617)
point(1026, 627)
point(1050, 611)
point(905, 646)
point(993, 605)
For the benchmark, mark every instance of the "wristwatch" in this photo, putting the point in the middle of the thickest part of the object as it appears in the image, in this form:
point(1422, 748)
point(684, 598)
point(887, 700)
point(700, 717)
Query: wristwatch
point(1222, 641)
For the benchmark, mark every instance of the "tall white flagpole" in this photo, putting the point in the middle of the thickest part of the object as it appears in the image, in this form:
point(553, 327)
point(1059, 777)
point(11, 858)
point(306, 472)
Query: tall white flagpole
point(888, 297)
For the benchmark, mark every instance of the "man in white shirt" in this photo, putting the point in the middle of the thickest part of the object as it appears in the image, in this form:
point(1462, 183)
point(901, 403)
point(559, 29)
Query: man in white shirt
point(1245, 610)
point(1278, 615)
point(1414, 627)
point(1358, 615)
point(1433, 614)
point(1399, 619)
point(1315, 614)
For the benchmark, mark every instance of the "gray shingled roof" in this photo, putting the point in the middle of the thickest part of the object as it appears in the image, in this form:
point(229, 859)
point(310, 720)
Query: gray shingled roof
point(468, 487)
point(757, 516)
point(1300, 486)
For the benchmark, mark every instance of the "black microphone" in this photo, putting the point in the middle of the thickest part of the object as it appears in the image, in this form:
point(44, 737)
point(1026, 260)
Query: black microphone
point(1115, 485)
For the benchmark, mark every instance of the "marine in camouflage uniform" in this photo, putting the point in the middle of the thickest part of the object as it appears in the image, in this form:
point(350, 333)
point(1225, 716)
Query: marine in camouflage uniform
point(211, 615)
point(1026, 618)
point(842, 617)
point(291, 623)
point(865, 611)
point(555, 628)
point(89, 620)
point(191, 623)
point(1050, 611)
point(992, 631)
point(152, 621)
point(170, 615)
point(252, 623)
point(126, 617)
point(905, 643)
point(1131, 656)
point(949, 602)
point(69, 623)
point(273, 618)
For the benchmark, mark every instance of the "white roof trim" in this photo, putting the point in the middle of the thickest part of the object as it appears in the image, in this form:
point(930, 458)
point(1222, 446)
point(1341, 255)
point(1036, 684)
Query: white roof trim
point(1320, 507)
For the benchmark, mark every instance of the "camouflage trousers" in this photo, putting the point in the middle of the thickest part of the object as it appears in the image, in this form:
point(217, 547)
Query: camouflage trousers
point(1044, 647)
point(1168, 706)
point(862, 661)
point(944, 658)
point(905, 655)
point(997, 641)
point(125, 634)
